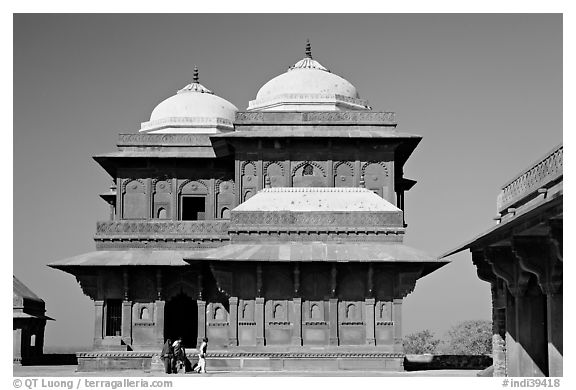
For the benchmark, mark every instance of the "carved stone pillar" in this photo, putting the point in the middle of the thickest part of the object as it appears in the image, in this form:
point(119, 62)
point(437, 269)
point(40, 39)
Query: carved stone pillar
point(397, 319)
point(541, 256)
point(174, 207)
point(370, 321)
point(98, 322)
point(159, 321)
point(297, 330)
point(258, 280)
point(485, 273)
point(554, 318)
point(505, 265)
point(233, 326)
point(333, 320)
point(259, 319)
point(126, 330)
point(531, 315)
point(201, 320)
point(333, 280)
point(296, 280)
point(127, 322)
point(499, 341)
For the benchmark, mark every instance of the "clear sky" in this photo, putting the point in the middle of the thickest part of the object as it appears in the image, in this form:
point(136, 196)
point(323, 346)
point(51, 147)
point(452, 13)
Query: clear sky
point(484, 90)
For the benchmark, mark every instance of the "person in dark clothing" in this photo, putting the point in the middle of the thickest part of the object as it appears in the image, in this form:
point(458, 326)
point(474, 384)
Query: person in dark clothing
point(166, 355)
point(178, 361)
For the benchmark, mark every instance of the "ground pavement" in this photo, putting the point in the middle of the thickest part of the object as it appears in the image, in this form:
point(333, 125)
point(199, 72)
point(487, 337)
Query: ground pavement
point(67, 371)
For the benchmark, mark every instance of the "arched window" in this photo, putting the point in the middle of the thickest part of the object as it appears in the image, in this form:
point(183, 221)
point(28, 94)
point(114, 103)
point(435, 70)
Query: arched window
point(225, 213)
point(316, 312)
point(219, 314)
point(144, 314)
point(350, 311)
point(33, 340)
point(308, 170)
point(162, 214)
point(278, 311)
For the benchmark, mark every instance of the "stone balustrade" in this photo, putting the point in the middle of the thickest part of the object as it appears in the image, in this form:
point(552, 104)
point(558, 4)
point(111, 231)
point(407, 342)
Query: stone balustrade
point(526, 184)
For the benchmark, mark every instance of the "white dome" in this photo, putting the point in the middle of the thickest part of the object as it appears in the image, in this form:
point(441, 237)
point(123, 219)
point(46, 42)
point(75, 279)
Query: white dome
point(190, 104)
point(308, 86)
point(194, 109)
point(307, 81)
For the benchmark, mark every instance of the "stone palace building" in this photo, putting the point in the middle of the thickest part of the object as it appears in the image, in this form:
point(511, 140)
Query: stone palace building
point(521, 258)
point(277, 232)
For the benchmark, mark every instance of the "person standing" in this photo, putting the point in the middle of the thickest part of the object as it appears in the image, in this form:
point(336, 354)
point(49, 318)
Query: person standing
point(201, 367)
point(166, 355)
point(179, 355)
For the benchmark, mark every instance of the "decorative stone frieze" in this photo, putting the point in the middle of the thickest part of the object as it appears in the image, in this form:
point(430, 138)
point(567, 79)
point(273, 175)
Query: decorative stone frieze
point(344, 117)
point(539, 175)
point(167, 140)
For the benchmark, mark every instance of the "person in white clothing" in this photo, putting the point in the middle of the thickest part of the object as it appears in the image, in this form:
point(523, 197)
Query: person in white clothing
point(201, 366)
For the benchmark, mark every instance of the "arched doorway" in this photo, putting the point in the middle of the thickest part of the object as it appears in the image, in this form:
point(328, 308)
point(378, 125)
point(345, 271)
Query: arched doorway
point(181, 320)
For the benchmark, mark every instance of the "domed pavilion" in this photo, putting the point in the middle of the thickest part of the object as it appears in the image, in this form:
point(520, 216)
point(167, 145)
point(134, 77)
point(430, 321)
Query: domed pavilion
point(276, 232)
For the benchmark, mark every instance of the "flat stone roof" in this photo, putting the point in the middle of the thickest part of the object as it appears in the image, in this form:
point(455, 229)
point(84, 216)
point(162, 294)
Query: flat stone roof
point(314, 199)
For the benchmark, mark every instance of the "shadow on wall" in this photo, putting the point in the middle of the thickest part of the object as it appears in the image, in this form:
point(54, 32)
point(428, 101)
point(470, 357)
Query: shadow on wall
point(53, 359)
point(446, 362)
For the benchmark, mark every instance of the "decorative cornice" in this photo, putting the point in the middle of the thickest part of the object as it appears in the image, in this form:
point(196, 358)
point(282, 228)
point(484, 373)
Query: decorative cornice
point(187, 122)
point(315, 117)
point(144, 139)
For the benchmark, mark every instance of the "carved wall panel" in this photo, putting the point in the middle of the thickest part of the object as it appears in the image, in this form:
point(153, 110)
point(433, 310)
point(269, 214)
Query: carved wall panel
point(351, 323)
point(344, 174)
point(384, 312)
point(309, 174)
point(224, 198)
point(376, 177)
point(278, 328)
point(217, 318)
point(134, 204)
point(274, 170)
point(314, 311)
point(249, 180)
point(193, 187)
point(246, 322)
point(162, 199)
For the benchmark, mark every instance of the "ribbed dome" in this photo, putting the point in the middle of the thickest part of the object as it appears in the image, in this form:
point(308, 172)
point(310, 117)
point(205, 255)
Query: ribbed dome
point(307, 85)
point(193, 107)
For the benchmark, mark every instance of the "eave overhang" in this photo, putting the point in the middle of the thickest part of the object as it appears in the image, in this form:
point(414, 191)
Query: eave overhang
point(525, 219)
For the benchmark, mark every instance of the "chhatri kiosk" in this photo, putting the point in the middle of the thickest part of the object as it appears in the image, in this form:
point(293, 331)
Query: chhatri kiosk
point(276, 232)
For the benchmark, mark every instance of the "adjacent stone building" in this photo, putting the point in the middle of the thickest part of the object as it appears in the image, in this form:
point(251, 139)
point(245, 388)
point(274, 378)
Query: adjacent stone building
point(29, 321)
point(277, 232)
point(521, 258)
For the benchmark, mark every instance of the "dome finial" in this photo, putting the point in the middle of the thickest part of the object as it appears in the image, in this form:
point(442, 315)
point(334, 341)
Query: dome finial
point(308, 49)
point(196, 79)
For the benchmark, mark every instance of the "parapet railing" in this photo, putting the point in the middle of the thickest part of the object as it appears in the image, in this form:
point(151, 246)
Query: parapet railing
point(162, 228)
point(539, 175)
